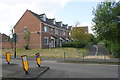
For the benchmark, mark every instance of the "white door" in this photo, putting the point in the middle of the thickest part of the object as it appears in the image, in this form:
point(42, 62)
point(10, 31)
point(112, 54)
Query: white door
point(52, 43)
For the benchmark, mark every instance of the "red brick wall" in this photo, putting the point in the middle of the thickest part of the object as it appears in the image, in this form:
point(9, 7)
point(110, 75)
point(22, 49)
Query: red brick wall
point(6, 45)
point(33, 24)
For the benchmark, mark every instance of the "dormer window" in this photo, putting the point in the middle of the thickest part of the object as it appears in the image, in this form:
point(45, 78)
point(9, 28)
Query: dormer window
point(44, 18)
point(54, 21)
point(61, 24)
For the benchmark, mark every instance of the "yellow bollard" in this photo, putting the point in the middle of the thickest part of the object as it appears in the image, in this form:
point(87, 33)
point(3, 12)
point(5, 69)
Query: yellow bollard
point(8, 57)
point(25, 63)
point(38, 60)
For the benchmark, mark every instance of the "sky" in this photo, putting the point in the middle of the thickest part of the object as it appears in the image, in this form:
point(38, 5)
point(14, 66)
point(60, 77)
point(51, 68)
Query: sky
point(67, 11)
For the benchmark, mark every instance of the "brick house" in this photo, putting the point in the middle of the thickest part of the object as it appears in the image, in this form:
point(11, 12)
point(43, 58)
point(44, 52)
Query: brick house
point(44, 32)
point(5, 41)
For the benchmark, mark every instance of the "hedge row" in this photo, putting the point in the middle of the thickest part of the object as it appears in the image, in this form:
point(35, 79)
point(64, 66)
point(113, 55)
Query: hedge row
point(75, 44)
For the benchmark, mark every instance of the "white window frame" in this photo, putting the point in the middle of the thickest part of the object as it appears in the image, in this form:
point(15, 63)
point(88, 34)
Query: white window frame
point(54, 21)
point(46, 29)
point(47, 40)
point(25, 29)
point(56, 31)
point(44, 18)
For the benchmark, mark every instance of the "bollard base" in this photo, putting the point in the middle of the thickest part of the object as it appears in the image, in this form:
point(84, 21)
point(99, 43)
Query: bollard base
point(8, 62)
point(38, 65)
point(26, 72)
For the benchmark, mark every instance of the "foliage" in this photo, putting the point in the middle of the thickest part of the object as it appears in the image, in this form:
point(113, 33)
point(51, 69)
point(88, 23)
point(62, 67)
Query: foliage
point(78, 34)
point(26, 37)
point(75, 44)
point(81, 38)
point(107, 22)
point(93, 40)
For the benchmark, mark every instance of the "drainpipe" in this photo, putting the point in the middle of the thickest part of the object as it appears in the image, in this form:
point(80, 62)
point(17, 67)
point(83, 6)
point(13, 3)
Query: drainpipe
point(40, 35)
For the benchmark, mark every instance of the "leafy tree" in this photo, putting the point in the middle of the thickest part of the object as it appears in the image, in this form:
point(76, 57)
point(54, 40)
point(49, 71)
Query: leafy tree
point(107, 23)
point(26, 37)
point(79, 36)
point(93, 40)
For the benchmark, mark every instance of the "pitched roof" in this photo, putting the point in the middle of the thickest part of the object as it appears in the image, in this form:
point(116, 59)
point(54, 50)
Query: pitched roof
point(50, 21)
point(4, 37)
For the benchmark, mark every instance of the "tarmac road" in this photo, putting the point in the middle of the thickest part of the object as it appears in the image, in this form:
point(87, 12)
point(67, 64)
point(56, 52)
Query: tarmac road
point(71, 70)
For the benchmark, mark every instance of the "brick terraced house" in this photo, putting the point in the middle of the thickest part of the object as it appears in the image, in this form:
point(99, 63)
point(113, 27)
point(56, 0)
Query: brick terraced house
point(5, 41)
point(44, 32)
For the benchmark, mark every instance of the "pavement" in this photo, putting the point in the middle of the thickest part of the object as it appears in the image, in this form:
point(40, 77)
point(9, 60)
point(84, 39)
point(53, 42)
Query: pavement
point(14, 70)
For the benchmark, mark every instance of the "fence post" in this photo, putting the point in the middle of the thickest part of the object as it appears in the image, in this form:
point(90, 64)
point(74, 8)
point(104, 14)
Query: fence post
point(83, 57)
point(64, 57)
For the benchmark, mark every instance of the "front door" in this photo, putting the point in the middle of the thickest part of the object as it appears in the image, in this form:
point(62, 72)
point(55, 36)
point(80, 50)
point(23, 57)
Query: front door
point(52, 43)
point(60, 42)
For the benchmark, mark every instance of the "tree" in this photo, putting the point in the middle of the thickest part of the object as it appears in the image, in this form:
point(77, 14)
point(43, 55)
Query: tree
point(78, 34)
point(107, 24)
point(80, 37)
point(26, 37)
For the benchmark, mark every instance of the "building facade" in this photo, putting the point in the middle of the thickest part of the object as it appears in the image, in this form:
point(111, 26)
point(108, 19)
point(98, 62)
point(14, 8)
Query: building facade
point(44, 32)
point(5, 41)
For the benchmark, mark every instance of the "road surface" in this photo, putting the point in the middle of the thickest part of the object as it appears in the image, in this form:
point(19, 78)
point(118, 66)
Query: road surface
point(72, 70)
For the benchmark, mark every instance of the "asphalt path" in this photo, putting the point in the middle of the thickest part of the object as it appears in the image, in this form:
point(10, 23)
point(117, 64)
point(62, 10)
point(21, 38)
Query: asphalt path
point(97, 50)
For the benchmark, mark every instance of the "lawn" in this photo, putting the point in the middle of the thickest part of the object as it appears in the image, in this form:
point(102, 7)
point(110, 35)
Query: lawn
point(51, 52)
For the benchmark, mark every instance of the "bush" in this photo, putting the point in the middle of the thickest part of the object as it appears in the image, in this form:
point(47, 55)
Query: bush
point(75, 44)
point(114, 49)
point(26, 47)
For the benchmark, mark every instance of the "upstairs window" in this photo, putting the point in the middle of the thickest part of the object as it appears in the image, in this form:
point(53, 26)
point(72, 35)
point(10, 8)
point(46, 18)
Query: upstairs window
point(44, 18)
point(46, 29)
point(63, 32)
point(45, 40)
point(56, 31)
point(25, 29)
point(52, 31)
point(61, 24)
point(54, 21)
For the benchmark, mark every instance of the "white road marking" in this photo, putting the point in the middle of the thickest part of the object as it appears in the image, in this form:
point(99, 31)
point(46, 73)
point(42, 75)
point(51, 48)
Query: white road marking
point(96, 50)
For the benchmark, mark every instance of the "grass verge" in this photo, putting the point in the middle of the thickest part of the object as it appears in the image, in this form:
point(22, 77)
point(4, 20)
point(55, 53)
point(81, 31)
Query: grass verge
point(71, 53)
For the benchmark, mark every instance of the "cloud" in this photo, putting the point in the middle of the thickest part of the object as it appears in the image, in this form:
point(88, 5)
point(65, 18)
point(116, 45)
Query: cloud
point(12, 10)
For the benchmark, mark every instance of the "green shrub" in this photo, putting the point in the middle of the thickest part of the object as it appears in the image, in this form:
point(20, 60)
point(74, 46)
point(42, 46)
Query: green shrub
point(114, 49)
point(26, 47)
point(75, 44)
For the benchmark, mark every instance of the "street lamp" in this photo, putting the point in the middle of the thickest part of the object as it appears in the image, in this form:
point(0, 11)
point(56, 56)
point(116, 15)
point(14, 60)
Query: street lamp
point(14, 40)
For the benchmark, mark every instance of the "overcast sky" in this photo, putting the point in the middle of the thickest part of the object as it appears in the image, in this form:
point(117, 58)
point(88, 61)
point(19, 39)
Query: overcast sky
point(67, 11)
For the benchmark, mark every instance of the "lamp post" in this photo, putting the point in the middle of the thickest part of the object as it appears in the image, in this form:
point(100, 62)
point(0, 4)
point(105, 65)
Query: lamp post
point(14, 39)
